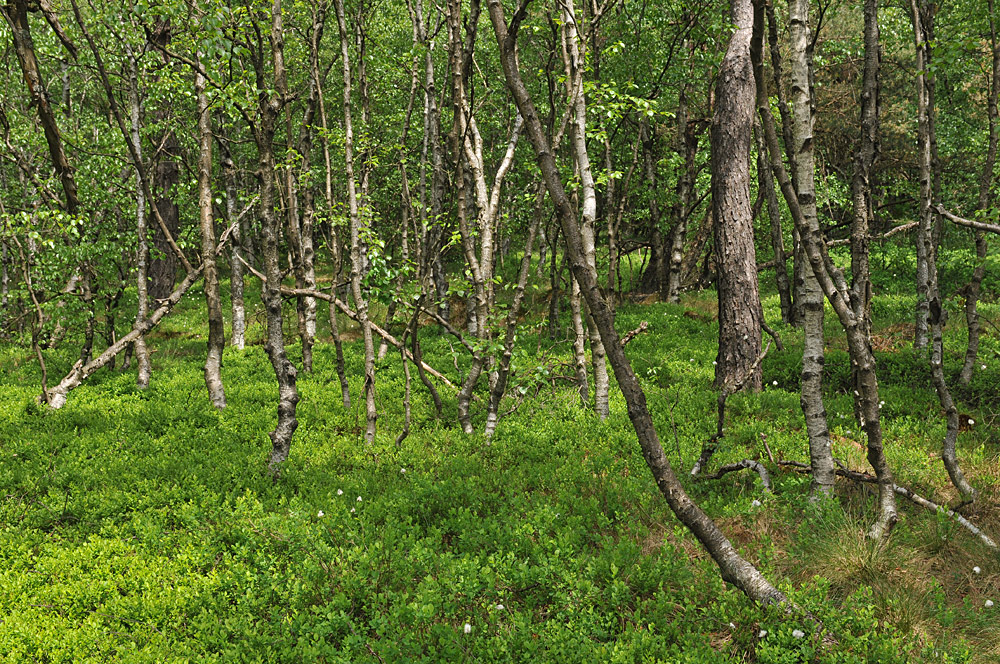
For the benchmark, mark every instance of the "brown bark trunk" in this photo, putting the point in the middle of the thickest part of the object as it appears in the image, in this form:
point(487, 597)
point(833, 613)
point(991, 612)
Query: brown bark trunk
point(735, 256)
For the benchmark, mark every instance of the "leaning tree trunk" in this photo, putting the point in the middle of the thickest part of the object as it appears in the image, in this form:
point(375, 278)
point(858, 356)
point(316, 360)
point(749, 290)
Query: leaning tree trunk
point(216, 327)
point(735, 257)
point(734, 568)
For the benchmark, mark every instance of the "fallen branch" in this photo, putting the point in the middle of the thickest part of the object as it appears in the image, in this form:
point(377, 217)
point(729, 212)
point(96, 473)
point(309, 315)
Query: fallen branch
point(765, 477)
point(629, 336)
point(910, 494)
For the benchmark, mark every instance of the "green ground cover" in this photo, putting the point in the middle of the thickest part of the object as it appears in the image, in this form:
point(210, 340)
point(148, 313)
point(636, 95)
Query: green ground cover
point(140, 527)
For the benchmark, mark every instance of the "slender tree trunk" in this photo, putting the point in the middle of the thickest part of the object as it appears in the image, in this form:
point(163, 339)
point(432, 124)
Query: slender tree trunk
point(810, 293)
point(588, 214)
point(360, 302)
point(284, 370)
point(733, 567)
point(735, 257)
point(974, 287)
point(144, 366)
point(926, 249)
point(765, 184)
point(236, 270)
point(216, 326)
point(922, 18)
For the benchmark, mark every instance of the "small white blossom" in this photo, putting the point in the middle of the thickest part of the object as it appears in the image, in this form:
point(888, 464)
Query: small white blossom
point(714, 363)
point(976, 570)
point(467, 628)
point(340, 492)
point(984, 366)
point(756, 503)
point(988, 604)
point(500, 607)
point(732, 626)
point(761, 634)
point(971, 421)
point(692, 359)
point(402, 471)
point(848, 432)
point(352, 510)
point(359, 499)
point(798, 633)
point(320, 514)
point(775, 383)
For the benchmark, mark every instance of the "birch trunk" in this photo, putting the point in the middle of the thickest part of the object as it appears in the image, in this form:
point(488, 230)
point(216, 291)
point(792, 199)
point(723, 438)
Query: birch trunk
point(360, 301)
point(213, 301)
point(810, 294)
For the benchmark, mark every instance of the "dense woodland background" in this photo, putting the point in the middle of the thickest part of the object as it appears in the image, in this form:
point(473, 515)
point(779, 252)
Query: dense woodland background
point(330, 329)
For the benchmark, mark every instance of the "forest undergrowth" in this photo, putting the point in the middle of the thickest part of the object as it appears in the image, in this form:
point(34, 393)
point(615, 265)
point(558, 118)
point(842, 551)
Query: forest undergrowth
point(141, 526)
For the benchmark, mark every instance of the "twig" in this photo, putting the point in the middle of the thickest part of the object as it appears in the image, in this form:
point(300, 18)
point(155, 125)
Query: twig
point(765, 477)
point(629, 336)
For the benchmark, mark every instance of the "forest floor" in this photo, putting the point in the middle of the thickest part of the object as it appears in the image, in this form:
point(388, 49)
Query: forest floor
point(140, 526)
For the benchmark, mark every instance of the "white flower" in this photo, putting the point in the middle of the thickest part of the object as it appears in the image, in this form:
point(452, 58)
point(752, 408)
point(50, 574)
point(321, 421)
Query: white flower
point(340, 492)
point(320, 514)
point(352, 510)
point(798, 633)
point(756, 503)
point(976, 570)
point(984, 366)
point(732, 626)
point(971, 421)
point(988, 604)
point(402, 471)
point(499, 607)
point(775, 383)
point(692, 359)
point(848, 432)
point(714, 363)
point(761, 634)
point(359, 499)
point(467, 628)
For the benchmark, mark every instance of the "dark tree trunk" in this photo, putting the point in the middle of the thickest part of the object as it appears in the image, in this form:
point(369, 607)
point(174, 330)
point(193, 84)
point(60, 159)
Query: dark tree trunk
point(735, 256)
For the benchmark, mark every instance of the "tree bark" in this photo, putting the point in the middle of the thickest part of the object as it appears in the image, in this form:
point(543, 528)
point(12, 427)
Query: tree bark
point(213, 300)
point(972, 290)
point(141, 350)
point(360, 302)
point(810, 293)
point(270, 107)
point(735, 256)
